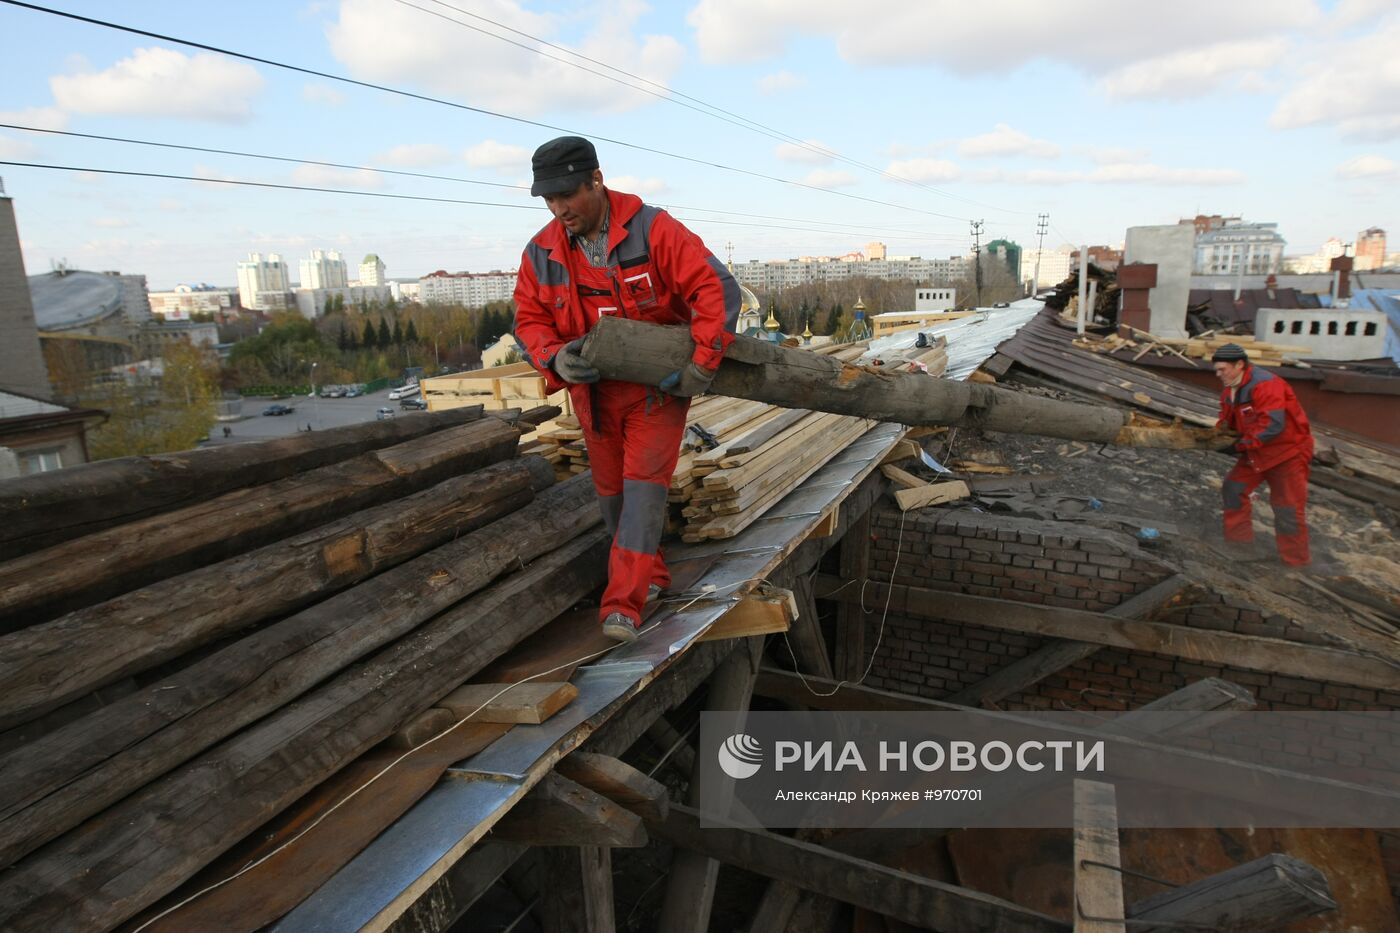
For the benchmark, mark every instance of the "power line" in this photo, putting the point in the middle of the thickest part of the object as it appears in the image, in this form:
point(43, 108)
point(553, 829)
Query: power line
point(845, 227)
point(460, 106)
point(404, 197)
point(673, 96)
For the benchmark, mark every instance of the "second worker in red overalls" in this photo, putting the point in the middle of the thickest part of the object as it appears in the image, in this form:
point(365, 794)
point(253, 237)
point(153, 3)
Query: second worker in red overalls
point(606, 252)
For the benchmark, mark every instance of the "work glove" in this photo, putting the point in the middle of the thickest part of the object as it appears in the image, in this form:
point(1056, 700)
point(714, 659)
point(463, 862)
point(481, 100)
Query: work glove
point(1246, 444)
point(571, 367)
point(692, 380)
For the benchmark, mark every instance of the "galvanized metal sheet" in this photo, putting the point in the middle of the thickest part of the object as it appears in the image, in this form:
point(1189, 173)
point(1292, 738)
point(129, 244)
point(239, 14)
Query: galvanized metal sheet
point(402, 854)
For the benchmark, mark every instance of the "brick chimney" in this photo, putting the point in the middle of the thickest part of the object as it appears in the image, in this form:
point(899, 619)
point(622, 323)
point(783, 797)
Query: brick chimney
point(1136, 280)
point(1341, 278)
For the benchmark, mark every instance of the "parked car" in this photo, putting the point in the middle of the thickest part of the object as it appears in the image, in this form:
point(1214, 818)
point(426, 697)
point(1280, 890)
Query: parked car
point(354, 391)
point(384, 414)
point(413, 404)
point(407, 391)
point(278, 410)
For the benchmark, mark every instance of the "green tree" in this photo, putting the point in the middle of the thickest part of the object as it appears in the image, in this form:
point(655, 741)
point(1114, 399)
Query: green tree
point(342, 340)
point(339, 301)
point(330, 306)
point(154, 415)
point(368, 339)
point(385, 338)
point(397, 336)
point(411, 334)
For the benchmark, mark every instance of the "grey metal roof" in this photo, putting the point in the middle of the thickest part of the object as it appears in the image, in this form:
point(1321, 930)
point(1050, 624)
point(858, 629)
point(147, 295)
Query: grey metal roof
point(72, 299)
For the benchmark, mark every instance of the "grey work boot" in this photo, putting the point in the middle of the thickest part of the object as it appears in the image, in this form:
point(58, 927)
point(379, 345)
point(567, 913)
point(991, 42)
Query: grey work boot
point(620, 628)
point(653, 592)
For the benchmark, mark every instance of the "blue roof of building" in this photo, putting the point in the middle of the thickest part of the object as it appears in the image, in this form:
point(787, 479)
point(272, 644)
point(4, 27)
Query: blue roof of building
point(64, 300)
point(1386, 300)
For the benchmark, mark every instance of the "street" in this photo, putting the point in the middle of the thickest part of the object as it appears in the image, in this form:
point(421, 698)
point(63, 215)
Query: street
point(320, 413)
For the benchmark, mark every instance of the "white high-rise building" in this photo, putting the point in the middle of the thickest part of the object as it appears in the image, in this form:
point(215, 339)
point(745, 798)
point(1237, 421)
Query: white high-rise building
point(1054, 266)
point(261, 280)
point(372, 271)
point(1239, 249)
point(325, 269)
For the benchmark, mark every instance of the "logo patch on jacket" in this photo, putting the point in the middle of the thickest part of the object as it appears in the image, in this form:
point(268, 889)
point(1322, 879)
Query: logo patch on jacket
point(639, 288)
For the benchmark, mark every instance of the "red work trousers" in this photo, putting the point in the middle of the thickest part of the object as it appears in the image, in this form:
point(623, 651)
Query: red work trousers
point(633, 447)
point(1288, 494)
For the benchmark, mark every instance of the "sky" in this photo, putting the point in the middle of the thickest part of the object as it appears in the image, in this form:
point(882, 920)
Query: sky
point(773, 128)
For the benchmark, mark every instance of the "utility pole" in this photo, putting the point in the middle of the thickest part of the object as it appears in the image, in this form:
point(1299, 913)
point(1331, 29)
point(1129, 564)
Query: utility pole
point(977, 262)
point(1083, 287)
point(1042, 223)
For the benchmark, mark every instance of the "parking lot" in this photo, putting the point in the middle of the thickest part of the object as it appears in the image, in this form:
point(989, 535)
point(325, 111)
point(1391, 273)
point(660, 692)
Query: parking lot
point(319, 413)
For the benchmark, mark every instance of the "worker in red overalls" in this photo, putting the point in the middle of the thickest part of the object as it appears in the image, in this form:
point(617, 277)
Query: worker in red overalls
point(608, 253)
point(1275, 447)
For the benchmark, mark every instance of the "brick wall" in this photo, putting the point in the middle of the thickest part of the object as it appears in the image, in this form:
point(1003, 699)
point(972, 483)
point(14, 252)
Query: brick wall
point(1072, 566)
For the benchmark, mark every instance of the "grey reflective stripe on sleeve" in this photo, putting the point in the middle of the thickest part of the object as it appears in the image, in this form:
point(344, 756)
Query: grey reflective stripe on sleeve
point(1233, 494)
point(1275, 427)
point(547, 271)
point(1288, 519)
point(733, 300)
point(637, 244)
point(611, 507)
point(643, 516)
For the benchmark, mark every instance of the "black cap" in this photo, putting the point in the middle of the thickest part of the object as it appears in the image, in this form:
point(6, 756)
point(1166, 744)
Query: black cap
point(1230, 353)
point(562, 164)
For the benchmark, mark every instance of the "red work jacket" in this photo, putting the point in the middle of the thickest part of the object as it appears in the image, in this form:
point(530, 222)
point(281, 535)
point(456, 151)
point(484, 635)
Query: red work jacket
point(1266, 415)
point(657, 271)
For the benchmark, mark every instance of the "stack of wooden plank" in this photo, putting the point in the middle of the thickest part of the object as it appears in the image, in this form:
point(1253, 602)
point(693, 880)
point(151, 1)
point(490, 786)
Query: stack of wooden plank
point(193, 644)
point(1261, 352)
point(515, 385)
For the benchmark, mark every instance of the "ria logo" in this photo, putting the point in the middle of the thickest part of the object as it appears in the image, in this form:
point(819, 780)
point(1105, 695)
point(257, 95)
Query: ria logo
point(740, 756)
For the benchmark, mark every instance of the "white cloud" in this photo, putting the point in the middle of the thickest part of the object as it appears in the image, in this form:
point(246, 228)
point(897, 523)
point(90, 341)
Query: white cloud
point(1005, 141)
point(1354, 84)
point(1371, 129)
point(1193, 72)
point(322, 94)
point(44, 118)
point(386, 42)
point(159, 82)
point(779, 81)
point(806, 152)
point(634, 185)
point(1137, 173)
point(111, 223)
point(17, 149)
point(503, 157)
point(324, 176)
point(924, 170)
point(1114, 155)
point(416, 155)
point(827, 178)
point(1369, 166)
point(958, 35)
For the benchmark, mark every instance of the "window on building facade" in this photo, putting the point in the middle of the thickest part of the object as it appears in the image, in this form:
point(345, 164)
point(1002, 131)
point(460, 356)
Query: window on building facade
point(1351, 328)
point(40, 461)
point(1371, 329)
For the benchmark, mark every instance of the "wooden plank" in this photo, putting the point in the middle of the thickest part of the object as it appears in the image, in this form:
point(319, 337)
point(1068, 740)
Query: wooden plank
point(74, 574)
point(74, 772)
point(1098, 885)
point(577, 893)
point(156, 837)
point(901, 478)
point(618, 781)
point(531, 703)
point(1267, 893)
point(1061, 653)
point(755, 614)
point(901, 895)
point(46, 508)
point(47, 665)
point(454, 893)
point(767, 431)
point(932, 494)
point(807, 642)
point(904, 450)
point(1252, 652)
point(850, 657)
point(558, 812)
point(421, 728)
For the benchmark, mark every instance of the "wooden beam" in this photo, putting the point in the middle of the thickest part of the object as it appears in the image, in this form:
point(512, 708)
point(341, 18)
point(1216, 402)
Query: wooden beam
point(1059, 654)
point(76, 771)
point(531, 703)
point(1252, 652)
point(676, 747)
point(902, 450)
point(1098, 884)
point(902, 479)
point(1268, 893)
point(755, 614)
point(806, 638)
point(576, 894)
point(454, 893)
point(47, 508)
point(422, 727)
point(931, 494)
point(754, 369)
point(901, 895)
point(559, 812)
point(690, 888)
point(851, 660)
point(618, 781)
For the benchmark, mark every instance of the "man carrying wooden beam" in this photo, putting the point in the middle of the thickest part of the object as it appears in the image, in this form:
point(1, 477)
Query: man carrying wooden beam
point(606, 253)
